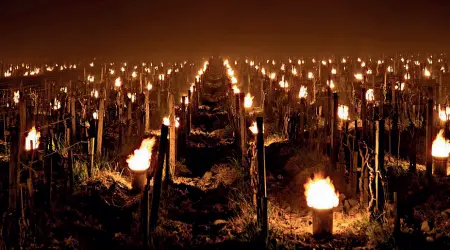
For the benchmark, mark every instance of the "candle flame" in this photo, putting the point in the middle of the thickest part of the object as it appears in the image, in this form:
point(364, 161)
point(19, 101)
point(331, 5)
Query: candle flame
point(118, 82)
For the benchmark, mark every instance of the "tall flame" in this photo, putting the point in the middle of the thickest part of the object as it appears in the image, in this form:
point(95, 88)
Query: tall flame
point(140, 159)
point(248, 101)
point(320, 193)
point(440, 147)
point(32, 139)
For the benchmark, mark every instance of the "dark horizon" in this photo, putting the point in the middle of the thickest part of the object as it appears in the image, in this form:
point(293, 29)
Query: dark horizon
point(176, 30)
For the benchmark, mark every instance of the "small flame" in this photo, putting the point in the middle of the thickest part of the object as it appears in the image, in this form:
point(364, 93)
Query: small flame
point(320, 193)
point(440, 147)
point(90, 78)
point(303, 93)
point(359, 76)
point(426, 73)
point(57, 104)
point(16, 96)
point(95, 115)
point(370, 97)
point(161, 77)
point(343, 112)
point(166, 121)
point(273, 76)
point(254, 128)
point(333, 71)
point(310, 75)
point(149, 86)
point(248, 101)
point(32, 139)
point(118, 82)
point(140, 159)
point(236, 90)
point(330, 83)
point(122, 69)
point(294, 71)
point(134, 74)
point(284, 84)
point(91, 64)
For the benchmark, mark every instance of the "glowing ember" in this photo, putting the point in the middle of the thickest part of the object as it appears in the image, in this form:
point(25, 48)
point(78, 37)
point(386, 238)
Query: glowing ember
point(343, 112)
point(370, 95)
point(32, 139)
point(118, 82)
point(248, 101)
point(320, 193)
point(440, 147)
point(303, 93)
point(16, 96)
point(140, 159)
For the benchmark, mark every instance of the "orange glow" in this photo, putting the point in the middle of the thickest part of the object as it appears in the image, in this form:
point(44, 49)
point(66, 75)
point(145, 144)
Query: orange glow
point(236, 90)
point(140, 159)
point(253, 128)
point(149, 86)
point(273, 76)
point(359, 76)
point(426, 73)
point(320, 193)
point(16, 96)
point(32, 139)
point(233, 80)
point(440, 147)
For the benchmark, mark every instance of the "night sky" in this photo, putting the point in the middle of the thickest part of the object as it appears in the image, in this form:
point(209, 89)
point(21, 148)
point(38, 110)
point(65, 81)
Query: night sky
point(178, 29)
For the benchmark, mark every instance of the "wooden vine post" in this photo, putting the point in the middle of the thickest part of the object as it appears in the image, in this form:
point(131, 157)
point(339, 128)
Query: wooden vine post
point(242, 127)
point(101, 115)
point(334, 132)
point(379, 163)
point(157, 182)
point(429, 139)
point(172, 137)
point(262, 179)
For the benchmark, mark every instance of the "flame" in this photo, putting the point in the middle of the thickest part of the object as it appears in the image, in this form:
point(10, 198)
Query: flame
point(254, 128)
point(95, 115)
point(330, 83)
point(426, 73)
point(310, 75)
point(230, 72)
point(236, 90)
point(343, 112)
point(191, 88)
point(94, 93)
point(91, 64)
point(440, 147)
point(370, 97)
point(118, 82)
point(57, 104)
point(149, 86)
point(63, 89)
point(324, 63)
point(303, 93)
point(273, 76)
point(263, 71)
point(402, 85)
point(248, 101)
point(359, 76)
point(140, 159)
point(343, 60)
point(16, 96)
point(284, 84)
point(294, 71)
point(333, 71)
point(32, 139)
point(320, 193)
point(169, 71)
point(134, 74)
point(166, 121)
point(122, 69)
point(407, 76)
point(363, 64)
point(90, 78)
point(369, 72)
point(161, 77)
point(443, 115)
